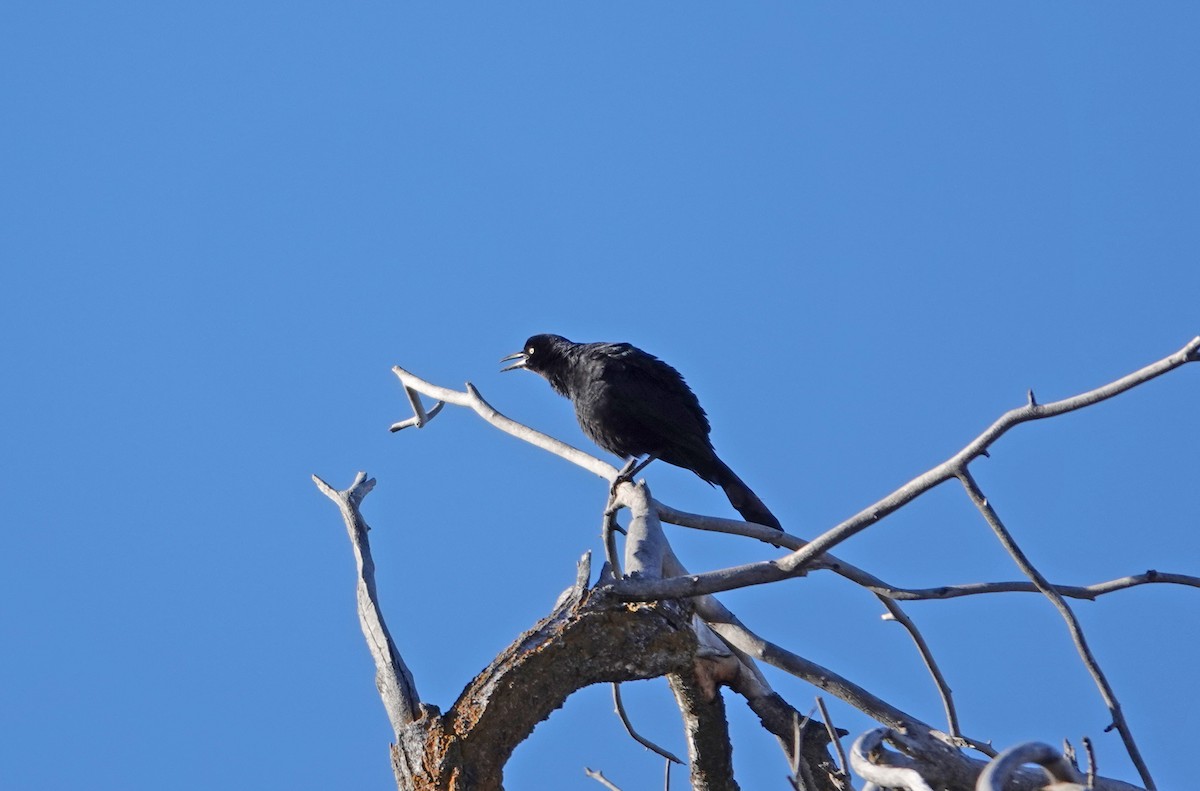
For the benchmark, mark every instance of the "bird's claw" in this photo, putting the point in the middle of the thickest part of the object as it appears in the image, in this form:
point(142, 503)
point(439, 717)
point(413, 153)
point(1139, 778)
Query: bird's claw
point(625, 474)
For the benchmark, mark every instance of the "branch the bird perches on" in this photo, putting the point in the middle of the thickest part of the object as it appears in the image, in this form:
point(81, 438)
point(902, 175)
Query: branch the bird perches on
point(660, 576)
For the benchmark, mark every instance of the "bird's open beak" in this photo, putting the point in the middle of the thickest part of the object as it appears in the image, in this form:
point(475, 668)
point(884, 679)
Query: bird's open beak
point(520, 357)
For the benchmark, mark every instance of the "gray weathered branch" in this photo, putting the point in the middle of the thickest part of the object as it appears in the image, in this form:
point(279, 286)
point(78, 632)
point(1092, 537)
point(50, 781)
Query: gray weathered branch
point(392, 677)
point(939, 761)
point(875, 584)
point(599, 777)
point(897, 614)
point(1068, 615)
point(799, 561)
point(883, 769)
point(587, 639)
point(474, 401)
point(1057, 768)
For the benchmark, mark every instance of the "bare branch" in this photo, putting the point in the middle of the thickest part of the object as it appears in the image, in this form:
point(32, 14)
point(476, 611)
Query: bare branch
point(1056, 766)
point(575, 594)
point(794, 757)
point(420, 416)
point(473, 400)
point(1073, 625)
point(1035, 411)
point(599, 777)
point(744, 678)
point(1087, 592)
point(898, 615)
point(608, 532)
point(888, 770)
point(801, 775)
point(619, 705)
point(802, 559)
point(710, 751)
point(644, 539)
point(592, 641)
point(930, 747)
point(1091, 755)
point(834, 738)
point(751, 647)
point(932, 750)
point(392, 677)
point(830, 562)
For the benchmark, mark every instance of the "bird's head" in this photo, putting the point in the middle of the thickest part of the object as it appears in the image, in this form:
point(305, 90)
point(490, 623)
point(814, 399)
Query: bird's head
point(541, 354)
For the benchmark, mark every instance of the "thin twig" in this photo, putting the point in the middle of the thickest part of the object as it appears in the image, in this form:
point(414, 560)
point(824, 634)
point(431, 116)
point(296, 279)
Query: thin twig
point(1085, 592)
point(609, 528)
point(420, 416)
point(473, 400)
point(834, 739)
point(637, 737)
point(898, 615)
point(1073, 625)
point(794, 758)
point(1090, 749)
point(801, 775)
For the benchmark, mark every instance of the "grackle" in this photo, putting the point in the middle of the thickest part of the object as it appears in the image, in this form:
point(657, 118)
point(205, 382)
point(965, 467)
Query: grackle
point(633, 404)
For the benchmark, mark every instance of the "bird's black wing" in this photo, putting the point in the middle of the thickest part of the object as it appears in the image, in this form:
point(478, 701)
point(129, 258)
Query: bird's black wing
point(649, 407)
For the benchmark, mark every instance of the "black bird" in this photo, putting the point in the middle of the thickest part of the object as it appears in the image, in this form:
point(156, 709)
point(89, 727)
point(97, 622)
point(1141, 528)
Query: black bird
point(633, 404)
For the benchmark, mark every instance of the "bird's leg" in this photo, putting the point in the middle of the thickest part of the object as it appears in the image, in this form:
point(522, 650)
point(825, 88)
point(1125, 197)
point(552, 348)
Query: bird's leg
point(632, 467)
point(624, 475)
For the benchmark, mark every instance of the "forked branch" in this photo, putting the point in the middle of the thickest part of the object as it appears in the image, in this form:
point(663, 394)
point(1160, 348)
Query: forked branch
point(392, 676)
point(802, 559)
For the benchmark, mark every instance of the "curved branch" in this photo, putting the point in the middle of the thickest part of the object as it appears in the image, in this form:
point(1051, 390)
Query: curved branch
point(619, 706)
point(897, 614)
point(1056, 766)
point(581, 643)
point(886, 770)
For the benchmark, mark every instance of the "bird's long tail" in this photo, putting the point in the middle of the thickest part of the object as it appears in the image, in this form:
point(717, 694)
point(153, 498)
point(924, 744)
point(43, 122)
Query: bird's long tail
point(742, 498)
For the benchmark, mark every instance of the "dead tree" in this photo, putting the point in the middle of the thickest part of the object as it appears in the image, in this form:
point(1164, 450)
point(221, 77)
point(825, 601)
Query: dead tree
point(647, 617)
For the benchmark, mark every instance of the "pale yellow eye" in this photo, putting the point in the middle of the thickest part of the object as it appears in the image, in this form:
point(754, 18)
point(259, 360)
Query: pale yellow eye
point(529, 350)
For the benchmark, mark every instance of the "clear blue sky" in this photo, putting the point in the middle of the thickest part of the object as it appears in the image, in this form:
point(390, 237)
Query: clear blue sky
point(861, 231)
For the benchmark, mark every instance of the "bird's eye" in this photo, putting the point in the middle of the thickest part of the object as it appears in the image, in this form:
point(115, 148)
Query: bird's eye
point(529, 350)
